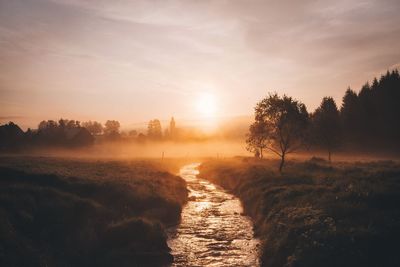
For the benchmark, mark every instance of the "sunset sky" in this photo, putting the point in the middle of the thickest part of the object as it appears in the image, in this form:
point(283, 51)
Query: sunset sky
point(137, 60)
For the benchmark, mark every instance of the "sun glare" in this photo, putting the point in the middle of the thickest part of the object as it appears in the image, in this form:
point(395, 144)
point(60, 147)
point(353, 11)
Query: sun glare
point(207, 104)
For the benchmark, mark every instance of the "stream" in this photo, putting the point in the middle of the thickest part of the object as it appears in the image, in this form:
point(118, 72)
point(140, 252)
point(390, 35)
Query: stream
point(213, 231)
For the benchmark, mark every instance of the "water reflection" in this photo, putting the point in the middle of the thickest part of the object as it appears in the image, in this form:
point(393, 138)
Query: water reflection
point(212, 231)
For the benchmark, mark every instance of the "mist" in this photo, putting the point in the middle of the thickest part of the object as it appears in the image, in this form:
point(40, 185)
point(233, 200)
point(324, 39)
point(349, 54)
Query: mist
point(156, 150)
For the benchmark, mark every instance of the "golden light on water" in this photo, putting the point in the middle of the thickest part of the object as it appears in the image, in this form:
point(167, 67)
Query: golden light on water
point(212, 231)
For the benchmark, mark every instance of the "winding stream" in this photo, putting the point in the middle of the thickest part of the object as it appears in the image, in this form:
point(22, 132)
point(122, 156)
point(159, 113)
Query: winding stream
point(212, 231)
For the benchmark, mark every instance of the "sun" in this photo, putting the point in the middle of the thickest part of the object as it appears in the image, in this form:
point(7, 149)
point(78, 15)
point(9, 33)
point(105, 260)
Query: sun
point(206, 104)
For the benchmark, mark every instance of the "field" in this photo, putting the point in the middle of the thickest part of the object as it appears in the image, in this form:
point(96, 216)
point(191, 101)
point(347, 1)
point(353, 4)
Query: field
point(65, 212)
point(317, 214)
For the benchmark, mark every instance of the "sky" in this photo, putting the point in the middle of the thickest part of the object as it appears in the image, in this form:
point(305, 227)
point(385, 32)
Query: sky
point(137, 60)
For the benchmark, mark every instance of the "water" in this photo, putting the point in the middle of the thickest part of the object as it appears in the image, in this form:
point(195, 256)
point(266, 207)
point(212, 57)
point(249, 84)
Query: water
point(212, 231)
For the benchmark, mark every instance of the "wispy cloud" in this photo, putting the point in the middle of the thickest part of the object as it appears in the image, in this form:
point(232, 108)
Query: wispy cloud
point(137, 53)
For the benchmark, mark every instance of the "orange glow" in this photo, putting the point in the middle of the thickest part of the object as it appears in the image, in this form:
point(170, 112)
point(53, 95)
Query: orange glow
point(207, 104)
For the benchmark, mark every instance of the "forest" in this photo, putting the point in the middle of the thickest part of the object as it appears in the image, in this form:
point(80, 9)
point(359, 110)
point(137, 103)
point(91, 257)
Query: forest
point(365, 122)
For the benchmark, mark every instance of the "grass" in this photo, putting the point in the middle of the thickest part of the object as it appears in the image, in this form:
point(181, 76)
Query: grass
point(317, 214)
point(63, 212)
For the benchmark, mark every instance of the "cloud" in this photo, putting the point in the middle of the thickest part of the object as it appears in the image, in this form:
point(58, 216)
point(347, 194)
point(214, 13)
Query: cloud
point(140, 49)
point(315, 32)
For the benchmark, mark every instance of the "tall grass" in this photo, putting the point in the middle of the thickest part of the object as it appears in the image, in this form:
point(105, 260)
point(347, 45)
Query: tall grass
point(57, 212)
point(317, 214)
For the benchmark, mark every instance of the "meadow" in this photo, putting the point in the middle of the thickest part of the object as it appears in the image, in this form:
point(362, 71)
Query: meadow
point(316, 213)
point(87, 212)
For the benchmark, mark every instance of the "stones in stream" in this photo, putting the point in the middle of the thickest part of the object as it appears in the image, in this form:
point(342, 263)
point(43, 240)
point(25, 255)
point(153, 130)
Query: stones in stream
point(213, 231)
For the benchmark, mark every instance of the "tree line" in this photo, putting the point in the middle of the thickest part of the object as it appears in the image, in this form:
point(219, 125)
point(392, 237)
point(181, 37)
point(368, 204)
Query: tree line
point(366, 121)
point(73, 133)
point(111, 130)
point(66, 133)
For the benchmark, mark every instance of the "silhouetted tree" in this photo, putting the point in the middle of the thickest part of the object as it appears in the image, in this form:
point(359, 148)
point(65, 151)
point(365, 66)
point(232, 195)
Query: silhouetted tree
point(283, 121)
point(69, 124)
point(67, 133)
point(371, 117)
point(49, 133)
point(172, 128)
point(257, 138)
point(73, 124)
point(48, 125)
point(326, 125)
point(11, 137)
point(62, 123)
point(350, 113)
point(94, 127)
point(111, 129)
point(154, 130)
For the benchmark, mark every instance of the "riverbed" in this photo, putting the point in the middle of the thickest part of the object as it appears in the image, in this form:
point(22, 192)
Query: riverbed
point(213, 230)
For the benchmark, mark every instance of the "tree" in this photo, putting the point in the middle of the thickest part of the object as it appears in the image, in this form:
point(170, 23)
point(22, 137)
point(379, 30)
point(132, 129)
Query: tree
point(12, 137)
point(154, 129)
point(68, 124)
point(47, 125)
point(73, 124)
point(172, 128)
point(111, 128)
point(62, 133)
point(257, 139)
point(94, 127)
point(350, 113)
point(326, 125)
point(283, 122)
point(370, 118)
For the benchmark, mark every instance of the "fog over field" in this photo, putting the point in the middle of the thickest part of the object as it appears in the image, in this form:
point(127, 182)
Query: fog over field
point(180, 133)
